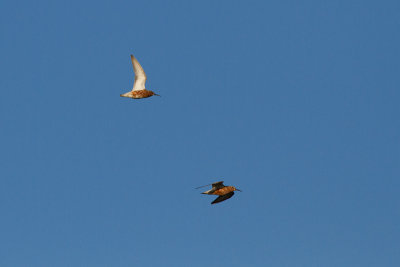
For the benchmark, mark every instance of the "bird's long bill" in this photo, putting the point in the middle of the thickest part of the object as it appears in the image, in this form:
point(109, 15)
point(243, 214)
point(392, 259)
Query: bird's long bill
point(239, 190)
point(156, 94)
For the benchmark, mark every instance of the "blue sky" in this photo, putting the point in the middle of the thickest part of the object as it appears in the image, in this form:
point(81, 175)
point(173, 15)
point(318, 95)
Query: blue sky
point(294, 102)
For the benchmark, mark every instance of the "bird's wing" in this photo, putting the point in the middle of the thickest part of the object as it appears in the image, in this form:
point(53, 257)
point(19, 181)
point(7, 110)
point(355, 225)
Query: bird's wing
point(140, 76)
point(218, 185)
point(223, 197)
point(213, 185)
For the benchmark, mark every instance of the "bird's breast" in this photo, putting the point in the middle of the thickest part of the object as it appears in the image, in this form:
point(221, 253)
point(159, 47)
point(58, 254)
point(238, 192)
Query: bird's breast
point(224, 191)
point(142, 94)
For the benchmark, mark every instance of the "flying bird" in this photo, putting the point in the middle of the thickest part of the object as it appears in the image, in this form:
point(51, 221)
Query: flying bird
point(223, 192)
point(139, 90)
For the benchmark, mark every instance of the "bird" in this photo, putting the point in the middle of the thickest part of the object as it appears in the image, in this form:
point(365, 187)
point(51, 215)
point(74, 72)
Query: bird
point(223, 192)
point(139, 90)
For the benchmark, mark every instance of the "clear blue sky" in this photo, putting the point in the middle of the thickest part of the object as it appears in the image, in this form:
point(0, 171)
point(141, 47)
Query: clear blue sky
point(294, 102)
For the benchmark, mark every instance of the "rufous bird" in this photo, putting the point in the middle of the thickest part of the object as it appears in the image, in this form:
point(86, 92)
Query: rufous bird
point(139, 90)
point(223, 192)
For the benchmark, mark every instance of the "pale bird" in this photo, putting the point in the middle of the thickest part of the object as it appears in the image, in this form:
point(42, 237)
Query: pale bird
point(139, 90)
point(218, 188)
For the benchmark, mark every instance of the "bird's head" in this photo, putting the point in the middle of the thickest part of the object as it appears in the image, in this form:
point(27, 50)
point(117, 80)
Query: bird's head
point(236, 189)
point(154, 93)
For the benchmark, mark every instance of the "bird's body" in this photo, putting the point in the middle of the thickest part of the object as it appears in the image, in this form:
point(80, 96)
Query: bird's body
point(224, 192)
point(139, 90)
point(139, 94)
point(221, 191)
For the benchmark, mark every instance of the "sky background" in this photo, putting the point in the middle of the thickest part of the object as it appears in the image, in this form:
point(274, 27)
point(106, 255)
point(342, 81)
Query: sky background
point(294, 102)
